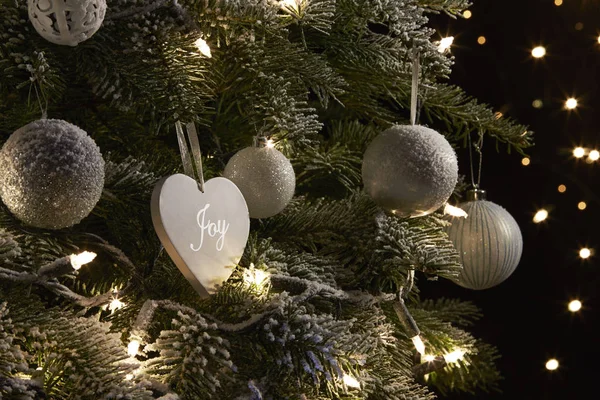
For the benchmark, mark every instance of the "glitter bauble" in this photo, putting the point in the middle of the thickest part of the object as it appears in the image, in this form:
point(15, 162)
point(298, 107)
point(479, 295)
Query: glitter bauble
point(51, 174)
point(488, 241)
point(265, 177)
point(66, 22)
point(410, 170)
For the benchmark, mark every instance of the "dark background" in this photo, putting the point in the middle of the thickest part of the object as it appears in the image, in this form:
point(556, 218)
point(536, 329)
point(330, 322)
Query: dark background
point(526, 317)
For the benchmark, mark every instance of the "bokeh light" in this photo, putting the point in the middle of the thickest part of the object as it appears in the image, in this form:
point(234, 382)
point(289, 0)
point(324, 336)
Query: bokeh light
point(574, 306)
point(538, 52)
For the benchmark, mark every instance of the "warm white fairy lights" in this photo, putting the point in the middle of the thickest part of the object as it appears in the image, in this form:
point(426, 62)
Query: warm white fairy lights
point(419, 345)
point(582, 205)
point(481, 40)
point(270, 143)
point(578, 152)
point(115, 304)
point(467, 14)
point(257, 277)
point(351, 381)
point(78, 260)
point(562, 188)
point(290, 4)
point(571, 103)
point(455, 211)
point(538, 52)
point(133, 348)
point(574, 305)
point(455, 356)
point(540, 216)
point(585, 253)
point(537, 103)
point(552, 364)
point(203, 47)
point(445, 44)
point(594, 155)
point(428, 357)
point(525, 161)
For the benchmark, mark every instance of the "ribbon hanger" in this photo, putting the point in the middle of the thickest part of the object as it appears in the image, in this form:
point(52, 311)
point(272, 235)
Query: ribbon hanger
point(192, 163)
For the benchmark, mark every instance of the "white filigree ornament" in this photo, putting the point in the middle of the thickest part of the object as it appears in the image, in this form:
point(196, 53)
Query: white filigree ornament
point(66, 22)
point(204, 233)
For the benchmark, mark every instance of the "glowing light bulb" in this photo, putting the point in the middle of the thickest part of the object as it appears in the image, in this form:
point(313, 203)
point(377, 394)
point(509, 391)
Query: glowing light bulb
point(77, 260)
point(133, 347)
point(203, 47)
point(290, 4)
point(445, 44)
point(598, 39)
point(571, 103)
point(594, 155)
point(585, 253)
point(552, 364)
point(258, 277)
point(429, 357)
point(455, 356)
point(351, 381)
point(270, 143)
point(579, 152)
point(582, 205)
point(525, 161)
point(115, 304)
point(574, 306)
point(481, 40)
point(467, 14)
point(455, 211)
point(419, 345)
point(562, 188)
point(558, 2)
point(540, 216)
point(538, 52)
point(129, 377)
point(537, 103)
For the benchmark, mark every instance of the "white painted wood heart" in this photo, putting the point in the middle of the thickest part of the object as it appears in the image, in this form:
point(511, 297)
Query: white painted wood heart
point(204, 233)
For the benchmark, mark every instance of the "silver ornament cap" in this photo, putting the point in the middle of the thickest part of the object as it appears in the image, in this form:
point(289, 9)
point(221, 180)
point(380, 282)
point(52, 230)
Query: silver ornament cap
point(410, 171)
point(265, 177)
point(488, 241)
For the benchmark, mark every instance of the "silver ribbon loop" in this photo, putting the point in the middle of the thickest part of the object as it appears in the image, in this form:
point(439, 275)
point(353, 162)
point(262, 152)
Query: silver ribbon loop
point(192, 163)
point(415, 86)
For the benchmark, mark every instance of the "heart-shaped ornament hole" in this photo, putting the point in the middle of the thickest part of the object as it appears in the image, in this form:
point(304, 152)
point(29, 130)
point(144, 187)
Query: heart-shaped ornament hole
point(204, 233)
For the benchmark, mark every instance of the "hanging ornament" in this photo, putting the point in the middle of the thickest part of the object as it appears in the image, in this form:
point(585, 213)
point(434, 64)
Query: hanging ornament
point(66, 22)
point(203, 226)
point(488, 241)
point(51, 174)
point(410, 170)
point(265, 177)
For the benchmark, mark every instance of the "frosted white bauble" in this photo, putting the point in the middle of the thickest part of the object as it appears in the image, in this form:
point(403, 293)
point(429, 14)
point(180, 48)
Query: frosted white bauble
point(489, 242)
point(265, 177)
point(66, 22)
point(51, 174)
point(410, 170)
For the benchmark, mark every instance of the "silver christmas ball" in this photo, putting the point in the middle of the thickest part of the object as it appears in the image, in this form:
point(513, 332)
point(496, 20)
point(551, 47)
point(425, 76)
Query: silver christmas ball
point(265, 177)
point(66, 22)
point(489, 242)
point(51, 174)
point(410, 170)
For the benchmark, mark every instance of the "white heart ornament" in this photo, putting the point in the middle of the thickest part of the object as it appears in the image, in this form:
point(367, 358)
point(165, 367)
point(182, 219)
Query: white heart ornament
point(204, 233)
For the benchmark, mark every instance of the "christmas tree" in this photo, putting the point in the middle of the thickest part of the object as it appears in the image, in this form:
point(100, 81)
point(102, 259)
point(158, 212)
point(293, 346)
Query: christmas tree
point(324, 301)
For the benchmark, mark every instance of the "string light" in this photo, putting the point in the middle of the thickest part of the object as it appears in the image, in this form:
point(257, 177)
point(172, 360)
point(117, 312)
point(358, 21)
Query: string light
point(525, 161)
point(270, 143)
point(558, 2)
point(585, 253)
point(552, 364)
point(571, 103)
point(445, 44)
point(540, 216)
point(351, 381)
point(133, 347)
point(455, 356)
point(203, 47)
point(481, 40)
point(562, 188)
point(429, 357)
point(77, 261)
point(537, 103)
point(291, 5)
point(579, 152)
point(253, 276)
point(538, 52)
point(115, 304)
point(467, 14)
point(455, 211)
point(594, 155)
point(419, 345)
point(582, 205)
point(574, 305)
point(579, 26)
point(129, 377)
point(598, 39)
